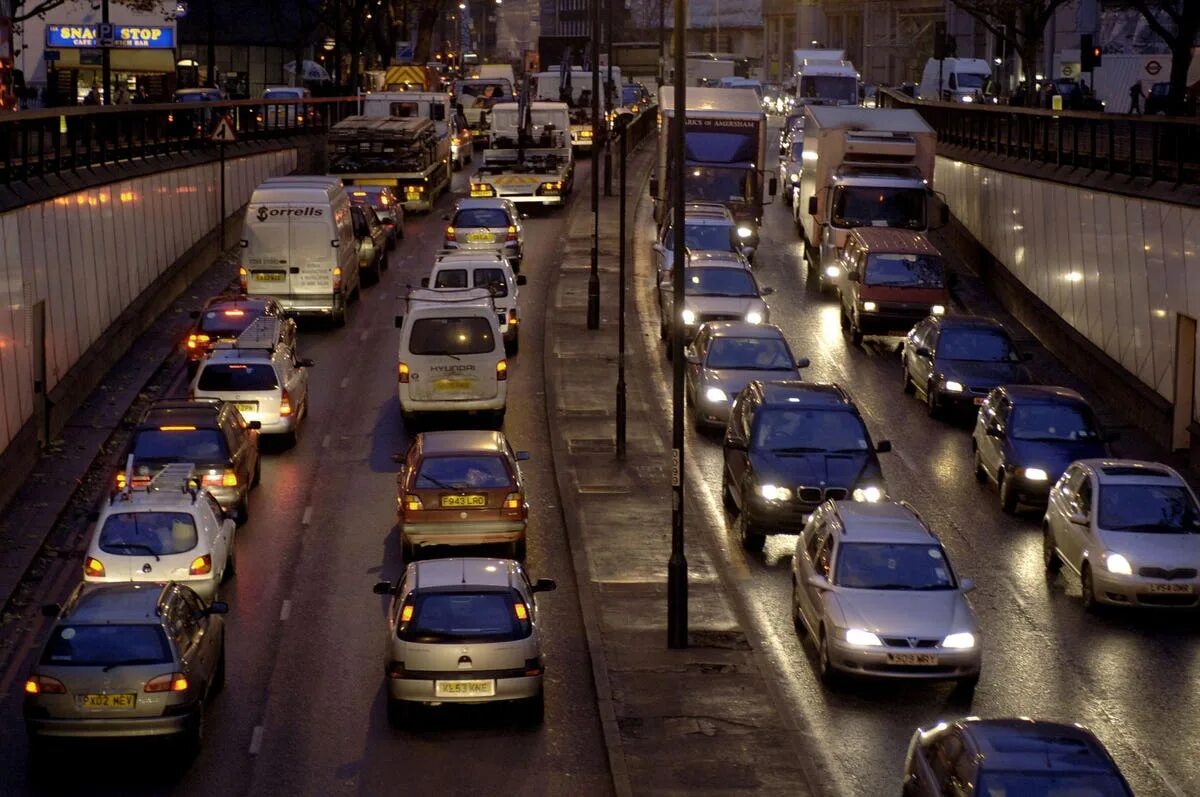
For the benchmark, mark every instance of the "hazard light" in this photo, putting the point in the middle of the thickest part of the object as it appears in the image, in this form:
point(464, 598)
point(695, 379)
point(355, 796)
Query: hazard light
point(482, 190)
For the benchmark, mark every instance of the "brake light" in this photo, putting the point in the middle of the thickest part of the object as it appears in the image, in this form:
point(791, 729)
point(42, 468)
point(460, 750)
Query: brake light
point(233, 314)
point(170, 682)
point(402, 373)
point(201, 565)
point(406, 613)
point(177, 428)
point(512, 233)
point(227, 479)
point(502, 371)
point(412, 503)
point(93, 567)
point(337, 277)
point(522, 612)
point(451, 235)
point(44, 685)
point(121, 481)
point(195, 340)
point(285, 404)
point(513, 501)
point(243, 278)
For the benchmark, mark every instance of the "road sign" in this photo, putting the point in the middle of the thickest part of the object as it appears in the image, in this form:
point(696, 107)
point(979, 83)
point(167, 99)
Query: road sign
point(405, 52)
point(104, 32)
point(224, 133)
point(1153, 67)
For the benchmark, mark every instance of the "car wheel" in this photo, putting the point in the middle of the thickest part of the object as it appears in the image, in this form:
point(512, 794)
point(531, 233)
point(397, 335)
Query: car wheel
point(230, 564)
point(218, 679)
point(751, 539)
point(533, 710)
point(193, 735)
point(518, 550)
point(257, 477)
point(797, 623)
point(964, 689)
point(397, 713)
point(843, 319)
point(411, 422)
point(339, 313)
point(829, 675)
point(931, 402)
point(514, 347)
point(1088, 589)
point(243, 510)
point(1009, 500)
point(1049, 555)
point(727, 496)
point(980, 474)
point(906, 383)
point(400, 229)
point(856, 335)
point(498, 419)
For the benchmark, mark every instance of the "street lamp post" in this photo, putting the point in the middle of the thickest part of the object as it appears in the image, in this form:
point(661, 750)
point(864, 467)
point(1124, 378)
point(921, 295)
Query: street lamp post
point(622, 135)
point(593, 292)
point(608, 104)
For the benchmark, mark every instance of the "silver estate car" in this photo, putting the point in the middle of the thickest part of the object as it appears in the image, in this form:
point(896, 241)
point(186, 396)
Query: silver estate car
point(728, 355)
point(872, 586)
point(126, 660)
point(464, 631)
point(1129, 529)
point(712, 291)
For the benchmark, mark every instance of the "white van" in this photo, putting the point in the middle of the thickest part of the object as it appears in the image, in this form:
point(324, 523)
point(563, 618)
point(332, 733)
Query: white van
point(962, 80)
point(298, 246)
point(451, 358)
point(483, 269)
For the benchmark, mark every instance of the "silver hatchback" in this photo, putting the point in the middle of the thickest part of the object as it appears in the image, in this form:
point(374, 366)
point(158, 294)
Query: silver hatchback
point(464, 631)
point(487, 224)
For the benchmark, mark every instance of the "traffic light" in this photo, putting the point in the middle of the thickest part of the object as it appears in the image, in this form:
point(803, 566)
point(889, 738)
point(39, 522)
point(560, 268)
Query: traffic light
point(1096, 54)
point(1089, 53)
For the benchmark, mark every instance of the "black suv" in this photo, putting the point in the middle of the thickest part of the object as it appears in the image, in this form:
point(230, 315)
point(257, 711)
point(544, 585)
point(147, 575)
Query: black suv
point(1009, 756)
point(790, 445)
point(208, 433)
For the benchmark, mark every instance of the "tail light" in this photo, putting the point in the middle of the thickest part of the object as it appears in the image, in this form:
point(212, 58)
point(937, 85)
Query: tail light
point(170, 118)
point(395, 669)
point(512, 317)
point(201, 565)
point(534, 667)
point(243, 278)
point(195, 340)
point(513, 501)
point(521, 611)
point(337, 277)
point(402, 373)
point(512, 233)
point(44, 685)
point(93, 567)
point(285, 404)
point(406, 614)
point(412, 503)
point(451, 235)
point(170, 682)
point(121, 481)
point(226, 479)
point(502, 371)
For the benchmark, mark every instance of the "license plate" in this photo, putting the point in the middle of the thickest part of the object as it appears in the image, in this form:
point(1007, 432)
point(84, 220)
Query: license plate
point(464, 500)
point(246, 406)
point(1172, 589)
point(480, 237)
point(453, 385)
point(480, 688)
point(917, 659)
point(978, 400)
point(107, 701)
point(269, 276)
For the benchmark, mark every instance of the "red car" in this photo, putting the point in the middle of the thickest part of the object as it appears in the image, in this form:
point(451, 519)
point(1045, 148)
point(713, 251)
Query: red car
point(223, 318)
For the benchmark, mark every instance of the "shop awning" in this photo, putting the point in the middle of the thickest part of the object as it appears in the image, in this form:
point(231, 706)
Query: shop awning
point(121, 60)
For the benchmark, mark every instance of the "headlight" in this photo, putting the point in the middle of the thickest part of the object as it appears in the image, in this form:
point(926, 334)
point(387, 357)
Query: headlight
point(938, 309)
point(1036, 474)
point(754, 317)
point(1118, 564)
point(968, 98)
point(961, 640)
point(870, 494)
point(856, 636)
point(716, 395)
point(950, 386)
point(773, 493)
point(795, 178)
point(688, 316)
point(744, 232)
point(831, 271)
point(870, 307)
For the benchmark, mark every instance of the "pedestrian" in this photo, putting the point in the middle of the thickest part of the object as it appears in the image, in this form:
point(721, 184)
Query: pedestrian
point(123, 95)
point(1135, 97)
point(92, 98)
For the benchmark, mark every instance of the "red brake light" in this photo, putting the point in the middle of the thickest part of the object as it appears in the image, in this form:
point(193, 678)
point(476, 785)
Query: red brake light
point(402, 373)
point(201, 565)
point(170, 682)
point(93, 567)
point(44, 685)
point(217, 479)
point(450, 234)
point(512, 233)
point(513, 501)
point(285, 404)
point(196, 339)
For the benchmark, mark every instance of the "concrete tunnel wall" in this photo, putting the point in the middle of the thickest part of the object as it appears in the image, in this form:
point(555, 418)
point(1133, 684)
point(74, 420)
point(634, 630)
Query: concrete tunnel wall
point(88, 255)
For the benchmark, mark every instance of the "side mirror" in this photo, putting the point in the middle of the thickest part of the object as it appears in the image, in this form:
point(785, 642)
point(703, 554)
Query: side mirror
point(382, 588)
point(545, 585)
point(922, 351)
point(803, 362)
point(766, 291)
point(812, 205)
point(194, 314)
point(398, 321)
point(820, 582)
point(424, 282)
point(305, 363)
point(773, 186)
point(522, 279)
point(244, 243)
point(1078, 518)
point(854, 276)
point(51, 609)
point(255, 425)
point(522, 456)
point(966, 584)
point(883, 447)
point(217, 607)
point(1026, 356)
point(335, 243)
point(691, 356)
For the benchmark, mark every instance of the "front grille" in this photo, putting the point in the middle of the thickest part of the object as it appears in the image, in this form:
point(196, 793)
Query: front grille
point(814, 495)
point(1166, 599)
point(903, 642)
point(719, 317)
point(1162, 572)
point(836, 493)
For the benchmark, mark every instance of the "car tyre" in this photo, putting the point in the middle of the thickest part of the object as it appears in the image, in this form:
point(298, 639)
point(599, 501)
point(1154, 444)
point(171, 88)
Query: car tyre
point(408, 551)
point(513, 348)
point(193, 735)
point(533, 710)
point(797, 623)
point(519, 550)
point(906, 384)
point(1088, 590)
point(1009, 500)
point(498, 419)
point(829, 674)
point(257, 477)
point(842, 317)
point(339, 313)
point(397, 713)
point(856, 334)
point(727, 496)
point(243, 510)
point(931, 402)
point(964, 689)
point(230, 564)
point(751, 539)
point(980, 474)
point(1050, 556)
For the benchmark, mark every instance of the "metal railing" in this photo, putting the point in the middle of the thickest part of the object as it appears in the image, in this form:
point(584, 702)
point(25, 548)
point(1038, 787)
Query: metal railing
point(1155, 147)
point(54, 140)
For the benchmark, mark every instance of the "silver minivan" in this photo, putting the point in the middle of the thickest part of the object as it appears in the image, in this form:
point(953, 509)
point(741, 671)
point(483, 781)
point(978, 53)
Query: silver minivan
point(464, 631)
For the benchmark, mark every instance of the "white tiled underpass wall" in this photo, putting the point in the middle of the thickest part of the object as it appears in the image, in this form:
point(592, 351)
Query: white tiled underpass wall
point(1118, 269)
point(89, 254)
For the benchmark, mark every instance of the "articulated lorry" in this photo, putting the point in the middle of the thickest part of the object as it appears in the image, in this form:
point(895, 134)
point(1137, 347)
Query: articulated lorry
point(861, 168)
point(725, 146)
point(528, 159)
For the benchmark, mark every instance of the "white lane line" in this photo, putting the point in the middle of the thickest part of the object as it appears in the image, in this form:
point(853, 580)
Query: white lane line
point(285, 611)
point(307, 518)
point(345, 382)
point(365, 334)
point(326, 441)
point(256, 740)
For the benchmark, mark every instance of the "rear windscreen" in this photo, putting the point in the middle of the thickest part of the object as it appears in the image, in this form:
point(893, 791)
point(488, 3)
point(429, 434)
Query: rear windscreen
point(481, 217)
point(457, 335)
point(237, 376)
point(92, 645)
point(463, 473)
point(228, 322)
point(194, 445)
point(153, 533)
point(464, 617)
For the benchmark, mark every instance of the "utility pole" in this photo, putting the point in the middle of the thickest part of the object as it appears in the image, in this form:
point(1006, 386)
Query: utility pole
point(593, 292)
point(105, 59)
point(623, 135)
point(608, 104)
point(210, 54)
point(677, 586)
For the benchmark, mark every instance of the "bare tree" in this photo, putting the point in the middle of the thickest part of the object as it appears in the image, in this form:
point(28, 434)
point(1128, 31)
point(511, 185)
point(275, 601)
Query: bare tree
point(23, 11)
point(1178, 23)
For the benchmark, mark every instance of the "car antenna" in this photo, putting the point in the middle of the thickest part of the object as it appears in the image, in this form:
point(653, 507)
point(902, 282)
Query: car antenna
point(464, 571)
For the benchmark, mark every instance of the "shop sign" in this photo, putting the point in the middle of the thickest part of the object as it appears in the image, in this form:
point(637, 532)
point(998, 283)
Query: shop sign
point(138, 37)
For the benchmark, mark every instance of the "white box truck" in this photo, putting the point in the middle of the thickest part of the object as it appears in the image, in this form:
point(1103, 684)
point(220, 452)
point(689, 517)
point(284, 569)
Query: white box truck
point(824, 77)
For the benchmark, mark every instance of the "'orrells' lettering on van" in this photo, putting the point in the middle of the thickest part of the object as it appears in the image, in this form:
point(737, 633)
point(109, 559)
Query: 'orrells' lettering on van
point(263, 213)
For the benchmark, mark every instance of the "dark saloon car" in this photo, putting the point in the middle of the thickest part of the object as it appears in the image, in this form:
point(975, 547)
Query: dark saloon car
point(223, 318)
point(789, 446)
point(955, 361)
point(1027, 435)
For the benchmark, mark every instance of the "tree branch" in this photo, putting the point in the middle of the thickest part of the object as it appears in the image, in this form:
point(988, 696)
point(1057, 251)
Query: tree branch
point(1151, 18)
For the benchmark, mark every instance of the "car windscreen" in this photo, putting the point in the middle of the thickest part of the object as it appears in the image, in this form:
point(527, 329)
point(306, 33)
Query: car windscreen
point(482, 472)
point(870, 565)
point(1051, 423)
point(970, 80)
point(455, 336)
point(976, 345)
point(229, 321)
point(183, 445)
point(830, 88)
point(153, 533)
point(802, 431)
point(1044, 784)
point(759, 354)
point(99, 645)
point(281, 94)
point(719, 282)
point(464, 617)
point(904, 271)
point(1148, 508)
point(481, 217)
point(238, 377)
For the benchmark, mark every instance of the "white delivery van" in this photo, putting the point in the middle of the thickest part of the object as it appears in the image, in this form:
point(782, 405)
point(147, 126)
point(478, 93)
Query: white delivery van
point(451, 356)
point(962, 80)
point(483, 269)
point(298, 246)
point(497, 72)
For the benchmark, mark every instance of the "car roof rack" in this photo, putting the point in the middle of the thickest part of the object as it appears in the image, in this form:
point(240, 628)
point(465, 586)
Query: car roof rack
point(179, 476)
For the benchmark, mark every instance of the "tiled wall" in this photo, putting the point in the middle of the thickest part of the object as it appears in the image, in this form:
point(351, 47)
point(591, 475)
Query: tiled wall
point(1117, 269)
point(88, 255)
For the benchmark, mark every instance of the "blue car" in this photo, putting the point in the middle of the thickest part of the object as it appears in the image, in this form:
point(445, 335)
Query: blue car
point(1027, 435)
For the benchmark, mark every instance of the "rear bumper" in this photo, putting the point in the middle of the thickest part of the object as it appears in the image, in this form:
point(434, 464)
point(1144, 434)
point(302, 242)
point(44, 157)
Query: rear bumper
point(107, 728)
point(206, 587)
point(488, 532)
point(324, 304)
point(414, 407)
point(423, 690)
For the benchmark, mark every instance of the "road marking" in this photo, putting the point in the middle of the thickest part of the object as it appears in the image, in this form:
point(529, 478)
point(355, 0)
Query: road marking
point(345, 382)
point(256, 740)
point(325, 442)
point(365, 334)
point(285, 611)
point(307, 518)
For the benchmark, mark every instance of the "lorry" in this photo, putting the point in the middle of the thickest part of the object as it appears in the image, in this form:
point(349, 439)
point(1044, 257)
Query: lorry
point(528, 159)
point(405, 154)
point(960, 79)
point(576, 91)
point(861, 168)
point(476, 96)
point(436, 106)
point(826, 82)
point(725, 152)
